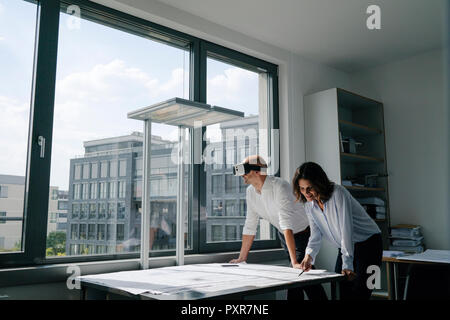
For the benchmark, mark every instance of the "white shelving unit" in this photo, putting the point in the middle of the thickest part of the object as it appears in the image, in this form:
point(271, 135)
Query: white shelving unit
point(335, 112)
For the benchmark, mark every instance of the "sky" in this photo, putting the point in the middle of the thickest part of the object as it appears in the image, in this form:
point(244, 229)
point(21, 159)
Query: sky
point(102, 74)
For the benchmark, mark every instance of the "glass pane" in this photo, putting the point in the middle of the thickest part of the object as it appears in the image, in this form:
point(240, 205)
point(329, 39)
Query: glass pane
point(229, 143)
point(17, 34)
point(103, 74)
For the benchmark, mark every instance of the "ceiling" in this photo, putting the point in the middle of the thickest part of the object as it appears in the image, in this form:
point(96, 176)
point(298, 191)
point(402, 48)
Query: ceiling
point(332, 32)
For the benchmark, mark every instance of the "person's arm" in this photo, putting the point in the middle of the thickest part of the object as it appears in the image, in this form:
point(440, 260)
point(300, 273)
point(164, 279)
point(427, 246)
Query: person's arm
point(290, 243)
point(247, 241)
point(249, 230)
point(346, 223)
point(313, 247)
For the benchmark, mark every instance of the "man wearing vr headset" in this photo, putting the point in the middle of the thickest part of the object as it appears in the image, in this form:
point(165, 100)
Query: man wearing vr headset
point(271, 198)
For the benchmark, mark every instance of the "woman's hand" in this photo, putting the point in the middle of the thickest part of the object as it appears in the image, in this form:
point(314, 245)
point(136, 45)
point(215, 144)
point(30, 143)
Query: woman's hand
point(349, 274)
point(306, 263)
point(296, 265)
point(238, 260)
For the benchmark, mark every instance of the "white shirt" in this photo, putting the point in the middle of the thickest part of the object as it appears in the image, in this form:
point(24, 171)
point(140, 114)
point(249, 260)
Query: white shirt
point(276, 204)
point(342, 222)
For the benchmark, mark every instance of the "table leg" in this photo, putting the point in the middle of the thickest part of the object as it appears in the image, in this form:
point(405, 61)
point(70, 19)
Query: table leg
point(405, 292)
point(395, 281)
point(333, 290)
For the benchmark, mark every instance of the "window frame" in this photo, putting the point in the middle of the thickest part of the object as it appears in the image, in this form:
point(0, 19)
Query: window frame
point(37, 178)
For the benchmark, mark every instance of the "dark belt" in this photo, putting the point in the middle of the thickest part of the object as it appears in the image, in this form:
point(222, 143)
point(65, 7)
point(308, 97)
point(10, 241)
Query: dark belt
point(303, 231)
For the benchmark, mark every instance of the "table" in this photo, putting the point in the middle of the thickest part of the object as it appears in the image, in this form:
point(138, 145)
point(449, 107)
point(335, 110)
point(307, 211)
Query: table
point(392, 267)
point(284, 279)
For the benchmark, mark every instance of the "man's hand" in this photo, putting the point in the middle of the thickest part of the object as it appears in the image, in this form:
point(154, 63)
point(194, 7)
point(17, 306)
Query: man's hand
point(306, 263)
point(238, 260)
point(349, 274)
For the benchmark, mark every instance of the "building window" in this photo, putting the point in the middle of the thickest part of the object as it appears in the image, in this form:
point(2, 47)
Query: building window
point(216, 233)
point(242, 207)
point(100, 232)
point(102, 211)
point(63, 205)
point(113, 169)
point(242, 186)
point(229, 183)
point(77, 172)
point(54, 194)
point(74, 231)
point(52, 217)
point(217, 208)
point(111, 210)
point(2, 221)
point(75, 210)
point(86, 171)
point(84, 211)
point(82, 231)
point(103, 190)
point(138, 167)
point(94, 190)
point(217, 186)
point(121, 210)
point(120, 233)
point(230, 208)
point(122, 168)
point(113, 190)
point(91, 231)
point(104, 169)
point(101, 249)
point(85, 191)
point(231, 234)
point(77, 191)
point(137, 190)
point(122, 189)
point(94, 170)
point(73, 249)
point(110, 232)
point(3, 191)
point(92, 210)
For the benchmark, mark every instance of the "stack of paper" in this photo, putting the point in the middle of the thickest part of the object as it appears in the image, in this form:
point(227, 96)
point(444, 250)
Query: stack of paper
point(406, 238)
point(374, 206)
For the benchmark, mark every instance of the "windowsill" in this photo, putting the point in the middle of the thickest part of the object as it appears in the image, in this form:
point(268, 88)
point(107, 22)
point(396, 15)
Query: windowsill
point(58, 272)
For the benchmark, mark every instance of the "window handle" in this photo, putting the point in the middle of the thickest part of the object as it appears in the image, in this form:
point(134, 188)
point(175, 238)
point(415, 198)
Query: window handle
point(41, 143)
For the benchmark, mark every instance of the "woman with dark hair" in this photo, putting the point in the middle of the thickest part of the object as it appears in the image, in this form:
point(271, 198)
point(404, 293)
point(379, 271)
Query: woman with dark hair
point(336, 216)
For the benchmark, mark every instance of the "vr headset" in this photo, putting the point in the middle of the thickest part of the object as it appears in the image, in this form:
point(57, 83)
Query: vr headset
point(245, 168)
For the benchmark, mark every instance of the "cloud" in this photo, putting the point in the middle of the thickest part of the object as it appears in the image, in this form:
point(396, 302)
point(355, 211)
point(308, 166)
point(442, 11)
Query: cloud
point(13, 135)
point(235, 88)
point(93, 104)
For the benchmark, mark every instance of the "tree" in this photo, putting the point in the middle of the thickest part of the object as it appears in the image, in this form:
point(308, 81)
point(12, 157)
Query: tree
point(56, 243)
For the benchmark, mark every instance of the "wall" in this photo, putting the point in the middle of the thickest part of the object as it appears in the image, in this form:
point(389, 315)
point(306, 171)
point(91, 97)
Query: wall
point(416, 119)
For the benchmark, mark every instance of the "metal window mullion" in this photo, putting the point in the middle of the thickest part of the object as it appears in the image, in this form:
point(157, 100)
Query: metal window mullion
point(146, 206)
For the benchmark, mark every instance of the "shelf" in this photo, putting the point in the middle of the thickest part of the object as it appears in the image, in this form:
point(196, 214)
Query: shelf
point(351, 157)
point(356, 188)
point(352, 129)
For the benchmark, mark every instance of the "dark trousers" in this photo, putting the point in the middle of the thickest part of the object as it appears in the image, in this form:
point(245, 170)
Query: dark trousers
point(365, 254)
point(315, 292)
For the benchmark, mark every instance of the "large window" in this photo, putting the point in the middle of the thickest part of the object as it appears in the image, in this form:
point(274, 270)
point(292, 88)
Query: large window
point(104, 73)
point(245, 89)
point(83, 155)
point(17, 34)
